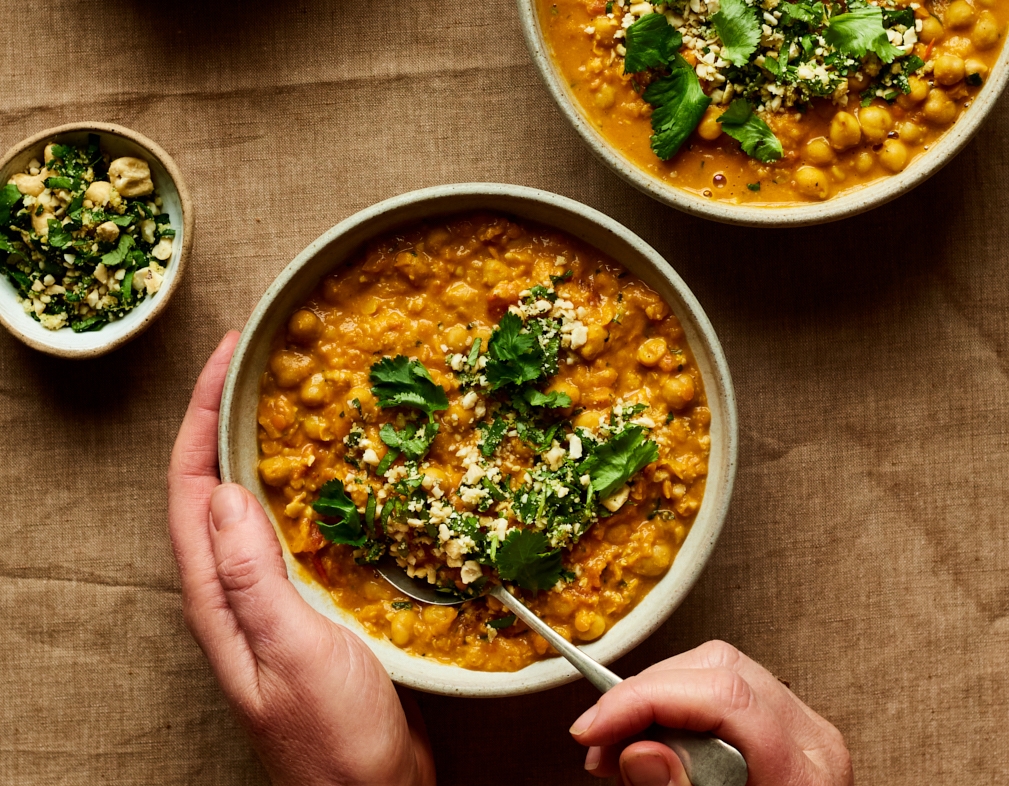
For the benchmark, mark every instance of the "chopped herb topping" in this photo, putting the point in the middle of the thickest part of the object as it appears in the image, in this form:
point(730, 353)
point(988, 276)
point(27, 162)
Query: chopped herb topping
point(401, 382)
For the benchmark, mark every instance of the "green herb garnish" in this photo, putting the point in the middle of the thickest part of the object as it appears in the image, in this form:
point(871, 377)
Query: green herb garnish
point(401, 382)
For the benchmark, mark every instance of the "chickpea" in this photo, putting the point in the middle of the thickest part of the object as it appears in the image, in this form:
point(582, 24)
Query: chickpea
point(315, 391)
point(845, 131)
point(939, 109)
point(403, 622)
point(679, 391)
point(864, 162)
point(893, 156)
point(618, 534)
point(455, 338)
point(365, 397)
point(948, 69)
point(439, 618)
point(818, 151)
point(650, 352)
point(606, 96)
point(931, 29)
point(976, 68)
point(813, 182)
point(917, 93)
point(290, 367)
point(459, 416)
point(277, 470)
point(589, 420)
point(318, 428)
point(709, 128)
point(589, 625)
point(959, 14)
point(655, 563)
point(912, 133)
point(987, 31)
point(458, 295)
point(304, 326)
point(876, 123)
point(595, 341)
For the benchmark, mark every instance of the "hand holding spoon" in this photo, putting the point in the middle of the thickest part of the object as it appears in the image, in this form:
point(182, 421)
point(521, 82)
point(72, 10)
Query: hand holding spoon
point(707, 760)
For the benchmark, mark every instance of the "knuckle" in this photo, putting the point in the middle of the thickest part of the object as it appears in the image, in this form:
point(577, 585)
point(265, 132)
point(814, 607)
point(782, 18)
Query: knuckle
point(731, 692)
point(720, 654)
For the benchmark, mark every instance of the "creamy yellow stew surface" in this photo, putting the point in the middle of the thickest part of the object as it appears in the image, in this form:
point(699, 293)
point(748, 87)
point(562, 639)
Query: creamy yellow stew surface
point(484, 399)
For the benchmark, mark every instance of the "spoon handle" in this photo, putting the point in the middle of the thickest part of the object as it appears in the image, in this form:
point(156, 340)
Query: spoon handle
point(597, 674)
point(707, 760)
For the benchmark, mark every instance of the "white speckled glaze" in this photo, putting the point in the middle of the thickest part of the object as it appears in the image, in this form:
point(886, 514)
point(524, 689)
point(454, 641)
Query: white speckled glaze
point(118, 141)
point(238, 427)
point(849, 203)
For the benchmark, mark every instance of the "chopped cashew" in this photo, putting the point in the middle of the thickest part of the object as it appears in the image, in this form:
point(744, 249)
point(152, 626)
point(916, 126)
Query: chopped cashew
point(28, 184)
point(107, 232)
point(99, 193)
point(616, 500)
point(163, 250)
point(131, 177)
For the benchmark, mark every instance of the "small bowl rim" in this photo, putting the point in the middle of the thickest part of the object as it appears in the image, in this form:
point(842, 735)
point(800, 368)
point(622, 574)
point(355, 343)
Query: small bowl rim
point(416, 672)
point(851, 203)
point(165, 294)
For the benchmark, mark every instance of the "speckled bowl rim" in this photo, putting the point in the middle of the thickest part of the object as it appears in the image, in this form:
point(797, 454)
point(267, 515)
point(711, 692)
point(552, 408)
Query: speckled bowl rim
point(238, 450)
point(848, 204)
point(153, 307)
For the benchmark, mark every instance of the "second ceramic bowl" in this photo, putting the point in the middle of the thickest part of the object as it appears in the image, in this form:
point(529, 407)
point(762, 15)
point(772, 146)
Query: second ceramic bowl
point(239, 452)
point(117, 141)
point(846, 204)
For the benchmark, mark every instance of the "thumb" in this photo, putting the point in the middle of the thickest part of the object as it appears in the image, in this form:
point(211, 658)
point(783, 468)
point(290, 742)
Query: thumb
point(652, 764)
point(251, 569)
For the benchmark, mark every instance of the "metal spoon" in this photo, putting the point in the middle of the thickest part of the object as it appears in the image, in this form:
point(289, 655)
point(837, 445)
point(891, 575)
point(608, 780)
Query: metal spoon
point(707, 760)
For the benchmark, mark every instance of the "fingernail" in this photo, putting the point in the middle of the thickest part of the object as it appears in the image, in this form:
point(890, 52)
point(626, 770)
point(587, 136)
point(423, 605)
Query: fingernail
point(592, 758)
point(647, 769)
point(228, 504)
point(582, 725)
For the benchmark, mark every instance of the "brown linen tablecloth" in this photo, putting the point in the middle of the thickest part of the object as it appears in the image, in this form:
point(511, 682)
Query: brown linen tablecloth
point(865, 560)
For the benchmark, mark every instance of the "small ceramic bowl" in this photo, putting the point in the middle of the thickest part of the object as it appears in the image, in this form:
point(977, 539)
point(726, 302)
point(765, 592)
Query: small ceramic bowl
point(117, 141)
point(239, 453)
point(844, 205)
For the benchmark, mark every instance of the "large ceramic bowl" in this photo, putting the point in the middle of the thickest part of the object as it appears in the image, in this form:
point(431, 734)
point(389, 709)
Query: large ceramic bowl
point(847, 204)
point(117, 141)
point(238, 427)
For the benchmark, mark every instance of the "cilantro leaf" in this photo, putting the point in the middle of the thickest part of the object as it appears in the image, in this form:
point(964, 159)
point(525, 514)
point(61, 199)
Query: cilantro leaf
point(118, 254)
point(513, 359)
point(553, 399)
point(651, 43)
point(911, 64)
point(492, 435)
point(811, 14)
point(59, 182)
point(859, 31)
point(9, 196)
point(501, 622)
point(401, 382)
point(612, 463)
point(58, 237)
point(739, 29)
point(526, 558)
point(679, 104)
point(411, 441)
point(333, 502)
point(756, 138)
